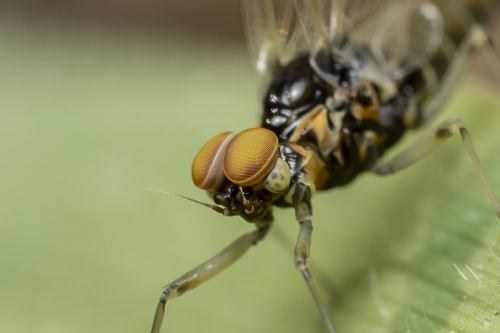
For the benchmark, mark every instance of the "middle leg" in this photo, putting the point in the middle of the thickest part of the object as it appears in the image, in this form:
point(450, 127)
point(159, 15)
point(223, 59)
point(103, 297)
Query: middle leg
point(302, 248)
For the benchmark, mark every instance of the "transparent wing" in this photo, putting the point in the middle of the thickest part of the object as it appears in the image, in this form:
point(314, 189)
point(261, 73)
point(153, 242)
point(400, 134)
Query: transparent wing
point(399, 33)
point(273, 34)
point(405, 34)
point(337, 20)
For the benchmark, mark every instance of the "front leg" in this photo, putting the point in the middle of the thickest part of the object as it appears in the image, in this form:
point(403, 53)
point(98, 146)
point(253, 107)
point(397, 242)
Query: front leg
point(207, 270)
point(302, 204)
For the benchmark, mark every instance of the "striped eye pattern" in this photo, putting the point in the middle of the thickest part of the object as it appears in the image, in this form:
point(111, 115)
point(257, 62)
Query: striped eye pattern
point(245, 159)
point(206, 171)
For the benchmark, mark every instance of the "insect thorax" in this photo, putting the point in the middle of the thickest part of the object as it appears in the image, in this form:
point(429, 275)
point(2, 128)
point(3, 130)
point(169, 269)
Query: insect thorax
point(346, 127)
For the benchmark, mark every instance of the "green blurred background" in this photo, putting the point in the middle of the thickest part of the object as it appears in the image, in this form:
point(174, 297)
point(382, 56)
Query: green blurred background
point(100, 100)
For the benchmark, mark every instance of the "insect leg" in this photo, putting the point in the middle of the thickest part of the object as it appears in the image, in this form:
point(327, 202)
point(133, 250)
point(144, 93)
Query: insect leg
point(206, 270)
point(302, 205)
point(423, 146)
point(476, 38)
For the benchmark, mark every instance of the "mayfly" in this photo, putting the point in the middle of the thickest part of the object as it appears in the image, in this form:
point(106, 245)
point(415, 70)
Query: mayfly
point(344, 80)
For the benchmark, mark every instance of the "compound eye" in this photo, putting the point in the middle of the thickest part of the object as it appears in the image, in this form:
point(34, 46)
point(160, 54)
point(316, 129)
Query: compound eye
point(250, 156)
point(207, 170)
point(278, 180)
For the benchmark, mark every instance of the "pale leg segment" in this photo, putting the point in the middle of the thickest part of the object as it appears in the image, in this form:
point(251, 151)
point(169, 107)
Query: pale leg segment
point(303, 245)
point(302, 263)
point(205, 271)
point(427, 143)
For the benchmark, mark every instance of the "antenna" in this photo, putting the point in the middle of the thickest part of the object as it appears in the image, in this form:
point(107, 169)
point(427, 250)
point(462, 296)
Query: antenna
point(216, 208)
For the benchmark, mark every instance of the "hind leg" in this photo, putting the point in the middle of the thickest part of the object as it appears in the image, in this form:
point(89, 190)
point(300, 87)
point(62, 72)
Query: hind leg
point(427, 143)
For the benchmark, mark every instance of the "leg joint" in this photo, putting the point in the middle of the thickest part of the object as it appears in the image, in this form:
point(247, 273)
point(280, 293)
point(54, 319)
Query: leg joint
point(301, 264)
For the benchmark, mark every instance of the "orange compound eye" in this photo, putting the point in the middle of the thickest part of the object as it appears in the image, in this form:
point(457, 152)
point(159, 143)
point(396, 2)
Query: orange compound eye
point(207, 170)
point(250, 156)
